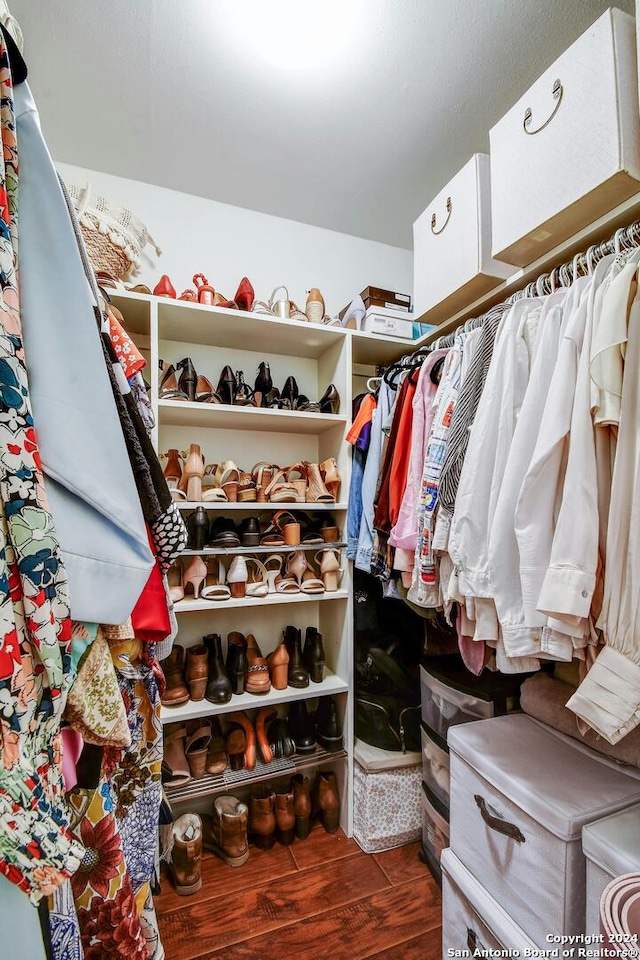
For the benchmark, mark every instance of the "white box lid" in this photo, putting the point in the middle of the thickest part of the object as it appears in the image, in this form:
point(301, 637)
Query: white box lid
point(560, 786)
point(614, 842)
point(373, 758)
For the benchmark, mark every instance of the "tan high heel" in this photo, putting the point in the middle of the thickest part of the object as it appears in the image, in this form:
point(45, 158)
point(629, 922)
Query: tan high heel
point(174, 581)
point(262, 474)
point(278, 663)
point(193, 473)
point(331, 476)
point(330, 570)
point(227, 476)
point(194, 574)
point(281, 491)
point(273, 566)
point(173, 474)
point(317, 492)
point(296, 566)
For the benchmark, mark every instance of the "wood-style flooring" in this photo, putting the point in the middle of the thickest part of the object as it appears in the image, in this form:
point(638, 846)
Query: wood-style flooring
point(319, 899)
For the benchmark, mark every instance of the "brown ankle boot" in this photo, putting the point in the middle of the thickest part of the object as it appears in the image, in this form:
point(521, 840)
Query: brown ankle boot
point(176, 691)
point(186, 855)
point(216, 755)
point(226, 831)
point(301, 805)
point(327, 800)
point(285, 817)
point(197, 671)
point(250, 748)
point(262, 820)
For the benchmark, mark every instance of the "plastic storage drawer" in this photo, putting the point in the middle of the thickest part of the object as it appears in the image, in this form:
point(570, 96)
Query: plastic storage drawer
point(568, 152)
point(435, 768)
point(435, 825)
point(612, 847)
point(520, 796)
point(452, 262)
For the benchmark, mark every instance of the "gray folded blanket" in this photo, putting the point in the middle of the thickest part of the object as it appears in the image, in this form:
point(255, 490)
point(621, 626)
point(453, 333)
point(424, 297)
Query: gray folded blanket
point(543, 697)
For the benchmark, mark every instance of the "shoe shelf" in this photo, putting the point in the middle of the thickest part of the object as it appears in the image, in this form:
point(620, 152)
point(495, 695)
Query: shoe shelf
point(184, 414)
point(232, 779)
point(371, 349)
point(193, 710)
point(223, 505)
point(251, 551)
point(272, 599)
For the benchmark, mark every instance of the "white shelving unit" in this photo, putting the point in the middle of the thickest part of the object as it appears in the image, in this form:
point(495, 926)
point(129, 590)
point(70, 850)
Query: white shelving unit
point(316, 356)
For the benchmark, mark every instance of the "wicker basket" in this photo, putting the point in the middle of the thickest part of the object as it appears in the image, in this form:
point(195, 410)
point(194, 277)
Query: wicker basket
point(113, 235)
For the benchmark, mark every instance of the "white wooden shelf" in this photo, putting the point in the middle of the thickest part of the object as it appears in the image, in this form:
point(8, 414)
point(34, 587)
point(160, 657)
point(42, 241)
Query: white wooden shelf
point(370, 349)
point(272, 599)
point(227, 417)
point(248, 701)
point(232, 779)
point(273, 548)
point(224, 505)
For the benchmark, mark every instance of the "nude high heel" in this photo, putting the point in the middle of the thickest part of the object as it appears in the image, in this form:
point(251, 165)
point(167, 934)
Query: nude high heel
point(331, 476)
point(317, 491)
point(329, 563)
point(193, 473)
point(296, 566)
point(194, 574)
point(273, 566)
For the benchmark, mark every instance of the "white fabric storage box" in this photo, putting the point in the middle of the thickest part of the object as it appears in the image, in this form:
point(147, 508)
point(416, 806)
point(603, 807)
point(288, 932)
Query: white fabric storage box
point(386, 324)
point(386, 797)
point(569, 150)
point(612, 847)
point(435, 767)
point(471, 919)
point(520, 795)
point(435, 826)
point(452, 263)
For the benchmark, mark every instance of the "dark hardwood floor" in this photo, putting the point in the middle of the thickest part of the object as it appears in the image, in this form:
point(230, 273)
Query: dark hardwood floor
point(320, 899)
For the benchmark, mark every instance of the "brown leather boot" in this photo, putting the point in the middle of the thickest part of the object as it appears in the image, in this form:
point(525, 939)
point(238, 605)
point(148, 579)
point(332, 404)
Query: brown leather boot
point(262, 819)
point(176, 691)
point(278, 663)
point(216, 754)
point(186, 855)
point(265, 716)
point(301, 805)
point(257, 681)
point(250, 736)
point(197, 671)
point(226, 831)
point(285, 817)
point(327, 800)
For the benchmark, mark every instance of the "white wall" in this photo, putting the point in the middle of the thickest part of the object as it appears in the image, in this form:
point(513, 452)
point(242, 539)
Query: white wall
point(226, 243)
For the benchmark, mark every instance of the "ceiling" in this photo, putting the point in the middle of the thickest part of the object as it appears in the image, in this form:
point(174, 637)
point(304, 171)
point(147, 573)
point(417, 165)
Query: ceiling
point(360, 141)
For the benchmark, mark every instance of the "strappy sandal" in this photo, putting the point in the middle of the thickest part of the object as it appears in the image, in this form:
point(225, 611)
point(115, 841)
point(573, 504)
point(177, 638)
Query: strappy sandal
point(247, 492)
point(330, 570)
point(257, 580)
point(273, 536)
point(243, 394)
point(273, 567)
point(174, 755)
point(262, 474)
point(214, 587)
point(287, 582)
point(212, 492)
point(298, 475)
point(205, 392)
point(169, 389)
point(331, 476)
point(311, 582)
point(197, 746)
point(227, 476)
point(317, 492)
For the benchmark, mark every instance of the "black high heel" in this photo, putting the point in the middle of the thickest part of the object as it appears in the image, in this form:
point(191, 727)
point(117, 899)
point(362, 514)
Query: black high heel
point(169, 387)
point(330, 401)
point(263, 385)
point(290, 392)
point(198, 528)
point(243, 394)
point(188, 378)
point(226, 385)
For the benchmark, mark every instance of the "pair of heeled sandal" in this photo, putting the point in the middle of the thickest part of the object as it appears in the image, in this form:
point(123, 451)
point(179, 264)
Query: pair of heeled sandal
point(193, 749)
point(294, 573)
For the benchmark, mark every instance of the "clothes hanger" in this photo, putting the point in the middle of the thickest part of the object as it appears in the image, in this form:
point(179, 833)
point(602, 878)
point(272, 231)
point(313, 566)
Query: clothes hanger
point(373, 380)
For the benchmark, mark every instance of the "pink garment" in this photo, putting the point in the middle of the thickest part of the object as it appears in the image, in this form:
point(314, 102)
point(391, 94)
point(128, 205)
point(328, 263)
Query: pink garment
point(404, 535)
point(473, 652)
point(72, 744)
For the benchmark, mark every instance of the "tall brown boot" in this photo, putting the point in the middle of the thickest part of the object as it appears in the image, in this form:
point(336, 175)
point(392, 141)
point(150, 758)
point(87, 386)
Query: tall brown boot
point(327, 800)
point(226, 831)
point(264, 718)
point(262, 819)
point(301, 805)
point(197, 670)
point(250, 746)
point(176, 691)
point(285, 817)
point(186, 855)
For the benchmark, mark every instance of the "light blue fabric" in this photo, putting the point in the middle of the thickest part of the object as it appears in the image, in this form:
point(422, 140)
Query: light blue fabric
point(20, 925)
point(88, 476)
point(354, 512)
point(386, 397)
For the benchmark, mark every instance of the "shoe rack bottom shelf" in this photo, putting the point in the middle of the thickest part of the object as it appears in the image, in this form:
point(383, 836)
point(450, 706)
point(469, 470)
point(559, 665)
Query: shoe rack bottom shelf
point(222, 782)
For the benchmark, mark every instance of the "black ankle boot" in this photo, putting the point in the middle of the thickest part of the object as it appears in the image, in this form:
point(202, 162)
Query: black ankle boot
point(198, 529)
point(218, 685)
point(301, 726)
point(237, 661)
point(328, 725)
point(188, 378)
point(263, 384)
point(313, 654)
point(298, 675)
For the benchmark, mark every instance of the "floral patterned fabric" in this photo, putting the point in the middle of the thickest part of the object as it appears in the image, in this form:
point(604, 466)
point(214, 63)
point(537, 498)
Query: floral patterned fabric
point(37, 850)
point(94, 705)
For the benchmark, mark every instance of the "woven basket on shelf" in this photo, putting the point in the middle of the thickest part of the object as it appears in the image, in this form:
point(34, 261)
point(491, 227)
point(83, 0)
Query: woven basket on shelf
point(113, 235)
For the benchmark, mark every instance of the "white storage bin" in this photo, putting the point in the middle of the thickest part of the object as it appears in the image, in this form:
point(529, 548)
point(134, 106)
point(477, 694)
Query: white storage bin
point(443, 706)
point(471, 919)
point(569, 150)
point(435, 826)
point(386, 797)
point(452, 263)
point(612, 847)
point(378, 320)
point(520, 796)
point(435, 768)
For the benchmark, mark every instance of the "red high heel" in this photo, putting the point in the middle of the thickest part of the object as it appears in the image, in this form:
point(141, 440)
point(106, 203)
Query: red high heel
point(245, 294)
point(189, 295)
point(164, 288)
point(206, 293)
